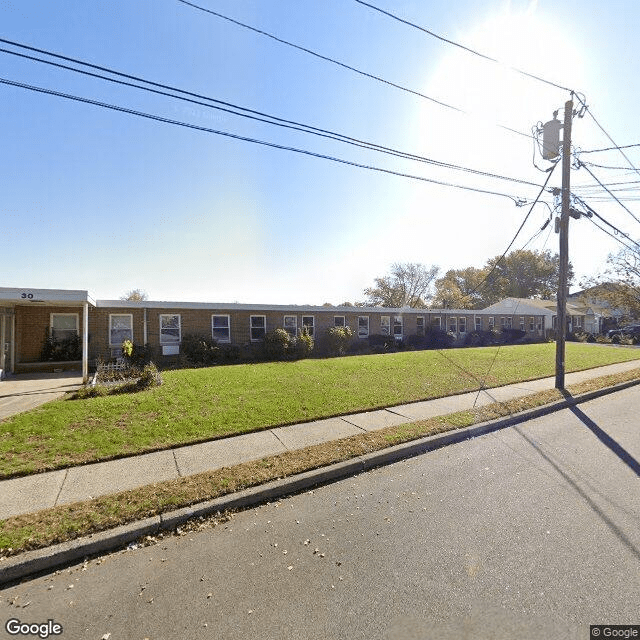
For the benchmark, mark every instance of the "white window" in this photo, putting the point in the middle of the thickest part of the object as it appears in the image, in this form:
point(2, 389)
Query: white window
point(338, 321)
point(363, 326)
point(257, 327)
point(478, 323)
point(436, 322)
point(510, 322)
point(531, 323)
point(120, 328)
point(64, 325)
point(385, 325)
point(420, 325)
point(539, 323)
point(169, 328)
point(521, 323)
point(291, 325)
point(221, 328)
point(397, 326)
point(308, 324)
point(453, 325)
point(503, 322)
point(492, 323)
point(462, 325)
point(578, 321)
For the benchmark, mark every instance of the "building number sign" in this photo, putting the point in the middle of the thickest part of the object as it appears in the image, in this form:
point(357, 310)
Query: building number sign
point(28, 296)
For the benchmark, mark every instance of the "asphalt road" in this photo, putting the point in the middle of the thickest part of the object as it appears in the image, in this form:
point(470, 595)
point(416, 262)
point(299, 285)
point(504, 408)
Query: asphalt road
point(529, 532)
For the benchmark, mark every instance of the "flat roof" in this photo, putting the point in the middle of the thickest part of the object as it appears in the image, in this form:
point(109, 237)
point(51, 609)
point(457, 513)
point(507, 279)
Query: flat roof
point(44, 296)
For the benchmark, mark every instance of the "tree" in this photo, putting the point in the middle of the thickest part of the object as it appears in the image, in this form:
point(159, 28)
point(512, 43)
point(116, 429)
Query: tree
point(619, 286)
point(135, 295)
point(460, 289)
point(523, 274)
point(408, 285)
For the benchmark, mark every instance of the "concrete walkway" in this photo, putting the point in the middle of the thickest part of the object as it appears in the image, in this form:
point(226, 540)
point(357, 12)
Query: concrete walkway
point(41, 491)
point(24, 392)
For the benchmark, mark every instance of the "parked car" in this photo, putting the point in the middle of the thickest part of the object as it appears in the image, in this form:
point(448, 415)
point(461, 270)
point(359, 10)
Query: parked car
point(631, 330)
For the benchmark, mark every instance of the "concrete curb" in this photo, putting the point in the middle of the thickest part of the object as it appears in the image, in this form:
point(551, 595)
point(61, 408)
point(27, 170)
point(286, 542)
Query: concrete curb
point(33, 562)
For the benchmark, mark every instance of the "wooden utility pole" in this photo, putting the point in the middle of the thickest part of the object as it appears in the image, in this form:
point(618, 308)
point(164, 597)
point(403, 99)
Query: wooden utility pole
point(561, 324)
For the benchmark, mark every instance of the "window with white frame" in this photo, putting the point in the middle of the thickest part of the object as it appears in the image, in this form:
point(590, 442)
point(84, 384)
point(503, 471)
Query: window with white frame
point(339, 321)
point(453, 325)
point(492, 322)
point(291, 325)
point(532, 324)
point(503, 322)
point(385, 325)
point(120, 328)
point(397, 326)
point(64, 325)
point(363, 326)
point(521, 323)
point(436, 322)
point(539, 323)
point(221, 328)
point(478, 322)
point(578, 321)
point(308, 324)
point(462, 325)
point(169, 328)
point(420, 325)
point(509, 322)
point(257, 327)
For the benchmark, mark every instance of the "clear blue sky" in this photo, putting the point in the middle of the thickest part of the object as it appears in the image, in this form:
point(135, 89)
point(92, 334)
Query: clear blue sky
point(99, 200)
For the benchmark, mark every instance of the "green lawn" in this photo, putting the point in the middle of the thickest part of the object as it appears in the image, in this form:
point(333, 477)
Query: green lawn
point(201, 404)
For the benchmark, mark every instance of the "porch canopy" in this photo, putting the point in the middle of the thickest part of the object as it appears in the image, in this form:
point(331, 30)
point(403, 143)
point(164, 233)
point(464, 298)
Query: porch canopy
point(23, 309)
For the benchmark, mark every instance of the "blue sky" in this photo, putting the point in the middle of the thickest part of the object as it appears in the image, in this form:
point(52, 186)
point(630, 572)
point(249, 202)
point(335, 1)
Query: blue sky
point(100, 200)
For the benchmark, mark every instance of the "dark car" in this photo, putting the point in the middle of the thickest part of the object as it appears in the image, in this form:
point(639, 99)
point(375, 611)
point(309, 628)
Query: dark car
point(631, 330)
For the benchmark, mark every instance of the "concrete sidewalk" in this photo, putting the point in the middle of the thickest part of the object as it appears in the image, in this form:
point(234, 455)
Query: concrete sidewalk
point(41, 491)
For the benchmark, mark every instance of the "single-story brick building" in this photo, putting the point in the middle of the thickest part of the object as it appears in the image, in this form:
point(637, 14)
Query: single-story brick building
point(30, 317)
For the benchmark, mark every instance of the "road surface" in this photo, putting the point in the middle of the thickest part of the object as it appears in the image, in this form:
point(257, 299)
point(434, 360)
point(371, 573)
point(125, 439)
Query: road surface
point(529, 532)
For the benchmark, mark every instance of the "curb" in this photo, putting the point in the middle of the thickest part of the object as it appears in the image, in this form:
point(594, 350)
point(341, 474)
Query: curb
point(26, 564)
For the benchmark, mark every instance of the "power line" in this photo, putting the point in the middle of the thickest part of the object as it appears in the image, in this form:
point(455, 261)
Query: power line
point(341, 64)
point(581, 164)
point(501, 258)
point(461, 46)
point(626, 146)
point(263, 117)
point(615, 237)
point(609, 224)
point(613, 142)
point(234, 136)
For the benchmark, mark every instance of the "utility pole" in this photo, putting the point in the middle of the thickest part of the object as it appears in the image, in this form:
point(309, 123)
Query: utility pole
point(561, 326)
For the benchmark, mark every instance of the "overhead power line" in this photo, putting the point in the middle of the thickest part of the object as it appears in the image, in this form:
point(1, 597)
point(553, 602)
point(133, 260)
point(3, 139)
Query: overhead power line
point(626, 146)
point(341, 64)
point(613, 142)
point(461, 46)
point(237, 110)
point(609, 192)
point(265, 143)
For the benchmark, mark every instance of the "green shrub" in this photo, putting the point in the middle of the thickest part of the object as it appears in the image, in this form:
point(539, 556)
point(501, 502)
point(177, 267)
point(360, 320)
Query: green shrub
point(303, 345)
point(150, 377)
point(199, 350)
point(381, 343)
point(54, 350)
point(276, 345)
point(337, 340)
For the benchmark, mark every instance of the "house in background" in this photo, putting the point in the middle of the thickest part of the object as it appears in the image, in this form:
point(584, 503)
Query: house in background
point(579, 317)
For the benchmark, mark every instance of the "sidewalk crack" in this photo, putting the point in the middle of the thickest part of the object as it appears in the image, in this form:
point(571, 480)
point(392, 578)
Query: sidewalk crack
point(66, 474)
point(175, 461)
point(278, 439)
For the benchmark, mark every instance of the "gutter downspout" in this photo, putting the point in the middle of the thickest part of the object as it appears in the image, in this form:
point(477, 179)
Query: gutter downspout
point(85, 342)
point(13, 341)
point(144, 327)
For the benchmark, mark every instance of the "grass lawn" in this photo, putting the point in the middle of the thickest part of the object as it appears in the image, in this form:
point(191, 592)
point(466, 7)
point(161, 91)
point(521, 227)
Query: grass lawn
point(201, 404)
